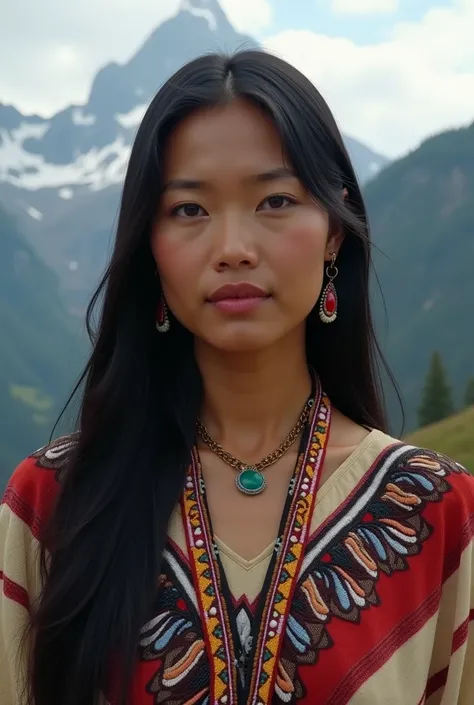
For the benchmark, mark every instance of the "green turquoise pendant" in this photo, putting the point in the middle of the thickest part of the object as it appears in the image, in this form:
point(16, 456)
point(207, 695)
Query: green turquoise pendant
point(250, 481)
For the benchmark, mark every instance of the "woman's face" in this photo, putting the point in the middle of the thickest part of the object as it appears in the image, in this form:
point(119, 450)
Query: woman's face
point(234, 215)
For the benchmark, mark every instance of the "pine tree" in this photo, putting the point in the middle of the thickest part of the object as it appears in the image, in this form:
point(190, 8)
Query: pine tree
point(436, 402)
point(469, 393)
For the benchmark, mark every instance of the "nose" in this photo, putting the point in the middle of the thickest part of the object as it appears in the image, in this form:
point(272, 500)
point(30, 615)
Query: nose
point(234, 247)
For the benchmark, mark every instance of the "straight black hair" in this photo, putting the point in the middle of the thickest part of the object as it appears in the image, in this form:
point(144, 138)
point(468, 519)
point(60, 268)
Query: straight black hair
point(101, 551)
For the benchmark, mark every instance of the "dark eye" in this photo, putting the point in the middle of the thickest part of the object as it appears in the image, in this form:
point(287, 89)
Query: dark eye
point(189, 210)
point(276, 202)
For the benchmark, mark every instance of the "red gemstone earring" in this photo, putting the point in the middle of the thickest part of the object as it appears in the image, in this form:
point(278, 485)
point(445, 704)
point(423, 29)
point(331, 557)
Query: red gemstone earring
point(162, 318)
point(328, 305)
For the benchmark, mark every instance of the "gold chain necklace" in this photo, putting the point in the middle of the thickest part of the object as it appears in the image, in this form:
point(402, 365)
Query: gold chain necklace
point(251, 479)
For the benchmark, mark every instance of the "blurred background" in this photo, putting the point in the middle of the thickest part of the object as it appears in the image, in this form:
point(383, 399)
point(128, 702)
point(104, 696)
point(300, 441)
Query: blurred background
point(74, 85)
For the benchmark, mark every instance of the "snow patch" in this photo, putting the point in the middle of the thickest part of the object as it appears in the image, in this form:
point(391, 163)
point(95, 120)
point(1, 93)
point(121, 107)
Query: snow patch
point(204, 12)
point(34, 213)
point(110, 165)
point(133, 117)
point(66, 193)
point(78, 118)
point(97, 168)
point(28, 130)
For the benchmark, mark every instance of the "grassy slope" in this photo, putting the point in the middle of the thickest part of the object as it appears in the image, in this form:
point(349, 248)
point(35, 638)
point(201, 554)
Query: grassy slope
point(453, 437)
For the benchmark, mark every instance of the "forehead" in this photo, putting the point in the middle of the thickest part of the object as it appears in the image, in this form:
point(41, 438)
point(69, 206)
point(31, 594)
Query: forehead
point(237, 137)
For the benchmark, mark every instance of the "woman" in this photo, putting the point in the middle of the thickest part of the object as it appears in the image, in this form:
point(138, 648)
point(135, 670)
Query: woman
point(232, 524)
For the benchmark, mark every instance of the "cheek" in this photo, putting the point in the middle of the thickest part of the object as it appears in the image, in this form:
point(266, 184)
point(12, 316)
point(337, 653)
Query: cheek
point(301, 251)
point(175, 261)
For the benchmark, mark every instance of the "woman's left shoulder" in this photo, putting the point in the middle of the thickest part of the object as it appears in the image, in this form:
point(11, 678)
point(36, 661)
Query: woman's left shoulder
point(436, 480)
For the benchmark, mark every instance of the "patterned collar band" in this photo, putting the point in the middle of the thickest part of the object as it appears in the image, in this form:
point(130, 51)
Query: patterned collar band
point(256, 685)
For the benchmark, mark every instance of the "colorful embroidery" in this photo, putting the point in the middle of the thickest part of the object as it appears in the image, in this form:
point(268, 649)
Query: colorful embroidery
point(207, 579)
point(55, 455)
point(294, 538)
point(381, 527)
point(217, 627)
point(377, 531)
point(173, 640)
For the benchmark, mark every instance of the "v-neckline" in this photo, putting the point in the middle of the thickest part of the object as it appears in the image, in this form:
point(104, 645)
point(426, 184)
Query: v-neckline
point(324, 488)
point(244, 563)
point(228, 683)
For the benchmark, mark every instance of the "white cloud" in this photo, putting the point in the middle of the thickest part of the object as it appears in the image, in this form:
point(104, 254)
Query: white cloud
point(363, 7)
point(50, 61)
point(248, 16)
point(393, 93)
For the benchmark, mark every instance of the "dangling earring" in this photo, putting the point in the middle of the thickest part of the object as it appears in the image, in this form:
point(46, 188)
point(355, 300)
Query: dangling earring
point(328, 305)
point(162, 318)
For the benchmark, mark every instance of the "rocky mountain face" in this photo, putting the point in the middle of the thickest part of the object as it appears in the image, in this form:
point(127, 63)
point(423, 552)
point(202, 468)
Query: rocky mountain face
point(61, 177)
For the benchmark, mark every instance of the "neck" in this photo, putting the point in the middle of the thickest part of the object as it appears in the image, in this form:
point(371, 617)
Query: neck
point(252, 400)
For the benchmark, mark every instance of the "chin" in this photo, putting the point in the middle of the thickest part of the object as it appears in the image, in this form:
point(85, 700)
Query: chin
point(243, 338)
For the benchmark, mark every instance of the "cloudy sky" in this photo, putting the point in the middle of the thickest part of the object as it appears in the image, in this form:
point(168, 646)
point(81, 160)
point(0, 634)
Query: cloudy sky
point(393, 71)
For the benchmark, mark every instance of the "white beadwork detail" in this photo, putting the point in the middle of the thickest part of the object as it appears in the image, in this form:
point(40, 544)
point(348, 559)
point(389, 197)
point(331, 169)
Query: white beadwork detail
point(273, 624)
point(212, 612)
point(199, 543)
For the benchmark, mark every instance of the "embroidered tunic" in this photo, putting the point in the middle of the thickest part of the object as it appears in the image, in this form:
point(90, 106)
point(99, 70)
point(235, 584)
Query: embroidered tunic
point(366, 597)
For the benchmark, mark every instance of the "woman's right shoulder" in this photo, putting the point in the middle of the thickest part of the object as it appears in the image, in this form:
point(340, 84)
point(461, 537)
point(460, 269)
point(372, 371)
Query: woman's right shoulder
point(34, 484)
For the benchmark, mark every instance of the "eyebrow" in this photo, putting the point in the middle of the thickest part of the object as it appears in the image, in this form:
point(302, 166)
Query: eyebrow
point(281, 172)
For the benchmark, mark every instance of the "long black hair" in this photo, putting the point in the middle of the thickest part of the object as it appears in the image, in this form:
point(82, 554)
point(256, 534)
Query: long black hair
point(101, 552)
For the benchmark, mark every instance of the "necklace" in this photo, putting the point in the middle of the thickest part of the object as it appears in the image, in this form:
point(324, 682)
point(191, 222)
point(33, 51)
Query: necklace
point(251, 479)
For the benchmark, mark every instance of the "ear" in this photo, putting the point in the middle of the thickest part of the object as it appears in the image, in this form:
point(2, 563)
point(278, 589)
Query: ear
point(334, 243)
point(336, 236)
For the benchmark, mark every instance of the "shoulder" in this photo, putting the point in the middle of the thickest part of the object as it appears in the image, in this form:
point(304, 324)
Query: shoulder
point(424, 482)
point(433, 471)
point(34, 485)
point(444, 478)
point(415, 479)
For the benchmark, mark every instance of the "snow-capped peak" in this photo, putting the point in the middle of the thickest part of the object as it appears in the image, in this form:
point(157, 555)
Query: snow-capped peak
point(200, 8)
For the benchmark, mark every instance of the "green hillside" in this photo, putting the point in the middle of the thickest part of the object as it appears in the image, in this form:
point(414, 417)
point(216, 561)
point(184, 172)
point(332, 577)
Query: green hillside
point(40, 353)
point(422, 215)
point(453, 437)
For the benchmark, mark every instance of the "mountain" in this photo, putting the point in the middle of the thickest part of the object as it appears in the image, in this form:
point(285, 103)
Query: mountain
point(422, 215)
point(88, 145)
point(367, 163)
point(41, 352)
point(61, 177)
point(453, 437)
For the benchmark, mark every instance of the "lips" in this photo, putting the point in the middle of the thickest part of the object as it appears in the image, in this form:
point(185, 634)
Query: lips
point(242, 290)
